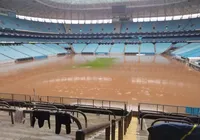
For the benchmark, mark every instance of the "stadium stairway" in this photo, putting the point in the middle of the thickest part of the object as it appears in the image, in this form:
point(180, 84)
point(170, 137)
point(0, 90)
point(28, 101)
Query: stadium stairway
point(117, 27)
point(131, 133)
point(24, 131)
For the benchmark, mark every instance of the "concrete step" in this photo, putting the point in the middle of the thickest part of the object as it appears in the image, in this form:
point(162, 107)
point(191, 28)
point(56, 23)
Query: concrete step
point(24, 131)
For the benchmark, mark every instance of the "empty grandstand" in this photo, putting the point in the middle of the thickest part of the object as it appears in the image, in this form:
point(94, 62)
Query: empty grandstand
point(99, 69)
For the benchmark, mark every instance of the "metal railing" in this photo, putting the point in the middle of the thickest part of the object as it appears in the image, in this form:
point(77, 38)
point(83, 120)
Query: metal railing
point(99, 110)
point(11, 111)
point(84, 101)
point(64, 100)
point(110, 127)
point(15, 97)
point(54, 108)
point(161, 108)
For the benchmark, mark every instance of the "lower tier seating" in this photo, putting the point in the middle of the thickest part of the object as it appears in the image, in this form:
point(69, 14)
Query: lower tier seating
point(103, 49)
point(29, 51)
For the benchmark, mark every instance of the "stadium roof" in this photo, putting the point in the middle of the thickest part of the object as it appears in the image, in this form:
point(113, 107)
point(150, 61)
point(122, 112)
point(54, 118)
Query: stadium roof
point(137, 2)
point(87, 1)
point(100, 9)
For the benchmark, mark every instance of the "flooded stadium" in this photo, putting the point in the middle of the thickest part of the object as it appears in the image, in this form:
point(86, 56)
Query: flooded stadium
point(150, 79)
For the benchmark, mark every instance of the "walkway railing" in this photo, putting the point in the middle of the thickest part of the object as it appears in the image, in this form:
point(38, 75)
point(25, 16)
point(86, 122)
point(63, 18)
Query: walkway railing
point(161, 108)
point(84, 101)
point(64, 100)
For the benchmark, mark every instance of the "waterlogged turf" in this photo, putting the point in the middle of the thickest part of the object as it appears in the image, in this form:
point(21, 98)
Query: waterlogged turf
point(99, 63)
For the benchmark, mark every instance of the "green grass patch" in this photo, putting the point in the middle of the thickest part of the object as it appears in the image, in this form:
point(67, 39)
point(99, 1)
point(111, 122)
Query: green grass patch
point(99, 63)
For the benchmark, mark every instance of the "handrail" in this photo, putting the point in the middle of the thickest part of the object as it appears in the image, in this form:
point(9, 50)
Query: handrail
point(143, 112)
point(163, 116)
point(78, 111)
point(151, 111)
point(116, 108)
point(4, 102)
point(82, 105)
point(80, 134)
point(4, 105)
point(45, 106)
point(53, 113)
point(77, 122)
point(64, 107)
point(10, 112)
point(170, 120)
point(99, 109)
point(69, 110)
point(112, 108)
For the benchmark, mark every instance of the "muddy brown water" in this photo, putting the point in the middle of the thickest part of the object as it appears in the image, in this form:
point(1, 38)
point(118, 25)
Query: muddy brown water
point(152, 79)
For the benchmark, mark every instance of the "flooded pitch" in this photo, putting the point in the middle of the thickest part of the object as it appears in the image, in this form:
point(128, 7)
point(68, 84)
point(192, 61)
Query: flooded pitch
point(152, 79)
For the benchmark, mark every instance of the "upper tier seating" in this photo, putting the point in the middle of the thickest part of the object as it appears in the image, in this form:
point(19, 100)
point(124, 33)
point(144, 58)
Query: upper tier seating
point(126, 27)
point(18, 24)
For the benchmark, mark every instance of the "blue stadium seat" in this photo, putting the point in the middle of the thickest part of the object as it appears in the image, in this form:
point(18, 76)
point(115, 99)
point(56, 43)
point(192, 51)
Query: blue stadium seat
point(4, 58)
point(78, 48)
point(103, 49)
point(162, 47)
point(186, 48)
point(90, 48)
point(132, 48)
point(38, 49)
point(147, 48)
point(11, 53)
point(26, 50)
point(117, 48)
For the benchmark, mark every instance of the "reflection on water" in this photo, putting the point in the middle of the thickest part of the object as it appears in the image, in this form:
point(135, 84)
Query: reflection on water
point(76, 79)
point(124, 58)
point(16, 67)
point(157, 59)
point(143, 81)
